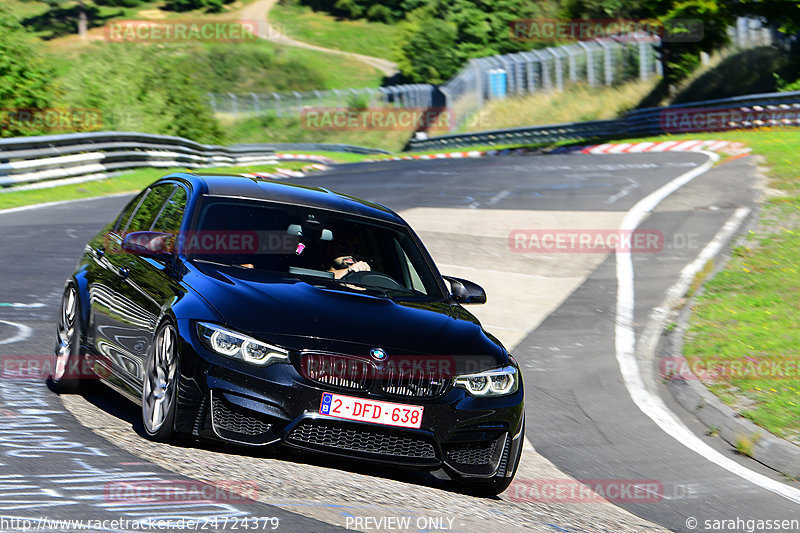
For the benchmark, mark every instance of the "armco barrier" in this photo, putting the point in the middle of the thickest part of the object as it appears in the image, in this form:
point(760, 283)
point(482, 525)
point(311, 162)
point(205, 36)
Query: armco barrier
point(33, 159)
point(641, 122)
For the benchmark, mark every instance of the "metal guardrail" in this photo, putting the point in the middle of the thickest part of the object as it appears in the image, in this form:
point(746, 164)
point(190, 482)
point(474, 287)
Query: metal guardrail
point(769, 109)
point(33, 159)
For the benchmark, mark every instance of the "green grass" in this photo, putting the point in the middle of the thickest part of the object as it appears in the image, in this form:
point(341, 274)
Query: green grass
point(136, 180)
point(578, 102)
point(747, 314)
point(337, 71)
point(25, 8)
point(745, 445)
point(260, 67)
point(239, 67)
point(270, 128)
point(358, 36)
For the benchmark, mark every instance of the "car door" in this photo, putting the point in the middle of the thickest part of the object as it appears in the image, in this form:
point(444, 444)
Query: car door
point(102, 267)
point(151, 284)
point(122, 325)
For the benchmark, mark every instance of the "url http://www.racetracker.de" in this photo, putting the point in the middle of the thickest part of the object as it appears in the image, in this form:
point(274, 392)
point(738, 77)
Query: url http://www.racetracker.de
point(250, 523)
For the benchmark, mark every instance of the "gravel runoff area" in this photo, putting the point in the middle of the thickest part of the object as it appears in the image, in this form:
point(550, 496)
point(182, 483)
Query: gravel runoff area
point(330, 489)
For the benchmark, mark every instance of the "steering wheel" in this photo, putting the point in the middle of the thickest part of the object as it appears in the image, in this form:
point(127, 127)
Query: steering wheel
point(371, 278)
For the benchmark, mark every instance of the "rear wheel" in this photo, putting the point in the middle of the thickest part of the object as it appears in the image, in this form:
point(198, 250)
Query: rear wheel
point(160, 390)
point(68, 344)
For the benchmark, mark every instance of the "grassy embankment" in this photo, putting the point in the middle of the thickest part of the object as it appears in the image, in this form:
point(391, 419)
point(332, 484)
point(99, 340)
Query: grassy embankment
point(747, 315)
point(314, 27)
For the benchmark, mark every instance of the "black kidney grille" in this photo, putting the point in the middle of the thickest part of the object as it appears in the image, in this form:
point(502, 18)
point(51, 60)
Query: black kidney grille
point(360, 374)
point(232, 418)
point(365, 440)
point(336, 370)
point(413, 382)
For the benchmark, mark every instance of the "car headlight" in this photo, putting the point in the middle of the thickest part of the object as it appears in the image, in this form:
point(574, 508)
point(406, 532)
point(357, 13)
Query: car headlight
point(239, 346)
point(498, 382)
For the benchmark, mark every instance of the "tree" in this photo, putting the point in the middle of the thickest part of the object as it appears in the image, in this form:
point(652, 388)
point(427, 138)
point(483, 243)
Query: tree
point(439, 37)
point(26, 81)
point(679, 57)
point(65, 17)
point(427, 50)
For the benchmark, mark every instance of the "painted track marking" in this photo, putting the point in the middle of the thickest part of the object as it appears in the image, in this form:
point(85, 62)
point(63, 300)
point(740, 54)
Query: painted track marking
point(625, 341)
point(23, 332)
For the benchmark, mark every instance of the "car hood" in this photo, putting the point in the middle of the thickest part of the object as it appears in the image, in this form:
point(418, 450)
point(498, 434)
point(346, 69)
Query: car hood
point(301, 316)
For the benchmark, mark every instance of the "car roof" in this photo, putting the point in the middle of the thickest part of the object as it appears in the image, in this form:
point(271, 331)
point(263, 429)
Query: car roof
point(253, 187)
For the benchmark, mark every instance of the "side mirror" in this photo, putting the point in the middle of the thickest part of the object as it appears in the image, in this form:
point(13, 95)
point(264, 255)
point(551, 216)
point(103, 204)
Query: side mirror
point(465, 291)
point(149, 244)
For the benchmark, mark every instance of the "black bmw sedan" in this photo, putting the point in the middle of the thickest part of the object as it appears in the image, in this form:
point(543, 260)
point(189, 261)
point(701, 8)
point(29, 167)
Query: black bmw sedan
point(258, 312)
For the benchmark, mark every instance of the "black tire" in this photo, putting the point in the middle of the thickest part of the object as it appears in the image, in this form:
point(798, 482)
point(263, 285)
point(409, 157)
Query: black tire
point(67, 350)
point(160, 387)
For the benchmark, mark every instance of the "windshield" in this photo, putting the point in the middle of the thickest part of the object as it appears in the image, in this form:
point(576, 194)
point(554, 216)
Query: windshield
point(318, 246)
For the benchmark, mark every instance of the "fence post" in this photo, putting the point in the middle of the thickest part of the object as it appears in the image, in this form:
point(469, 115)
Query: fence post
point(448, 106)
point(277, 97)
point(531, 73)
point(546, 81)
point(234, 104)
point(519, 77)
point(573, 67)
point(299, 99)
point(256, 107)
point(590, 77)
point(478, 77)
point(607, 63)
point(559, 68)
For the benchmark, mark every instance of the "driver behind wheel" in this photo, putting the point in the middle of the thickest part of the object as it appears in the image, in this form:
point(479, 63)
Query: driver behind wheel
point(342, 262)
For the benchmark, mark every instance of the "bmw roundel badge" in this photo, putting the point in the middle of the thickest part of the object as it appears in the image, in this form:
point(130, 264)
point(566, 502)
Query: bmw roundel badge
point(378, 354)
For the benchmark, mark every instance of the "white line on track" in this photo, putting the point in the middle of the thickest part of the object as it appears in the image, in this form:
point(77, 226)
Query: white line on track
point(23, 332)
point(647, 400)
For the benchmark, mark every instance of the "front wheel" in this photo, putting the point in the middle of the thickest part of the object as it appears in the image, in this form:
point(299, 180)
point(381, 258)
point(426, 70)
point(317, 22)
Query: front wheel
point(160, 388)
point(68, 344)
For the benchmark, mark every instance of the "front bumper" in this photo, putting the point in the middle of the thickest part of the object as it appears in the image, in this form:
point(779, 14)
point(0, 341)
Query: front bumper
point(468, 437)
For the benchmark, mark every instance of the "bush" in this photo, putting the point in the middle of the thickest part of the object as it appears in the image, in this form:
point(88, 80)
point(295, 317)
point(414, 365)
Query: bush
point(142, 88)
point(26, 81)
point(250, 68)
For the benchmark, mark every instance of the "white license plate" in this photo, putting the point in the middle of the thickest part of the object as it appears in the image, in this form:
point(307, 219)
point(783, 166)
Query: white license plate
point(373, 411)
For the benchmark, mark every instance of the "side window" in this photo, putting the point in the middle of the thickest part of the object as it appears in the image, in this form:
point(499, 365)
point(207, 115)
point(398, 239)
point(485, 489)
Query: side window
point(148, 210)
point(412, 281)
point(122, 220)
point(169, 221)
